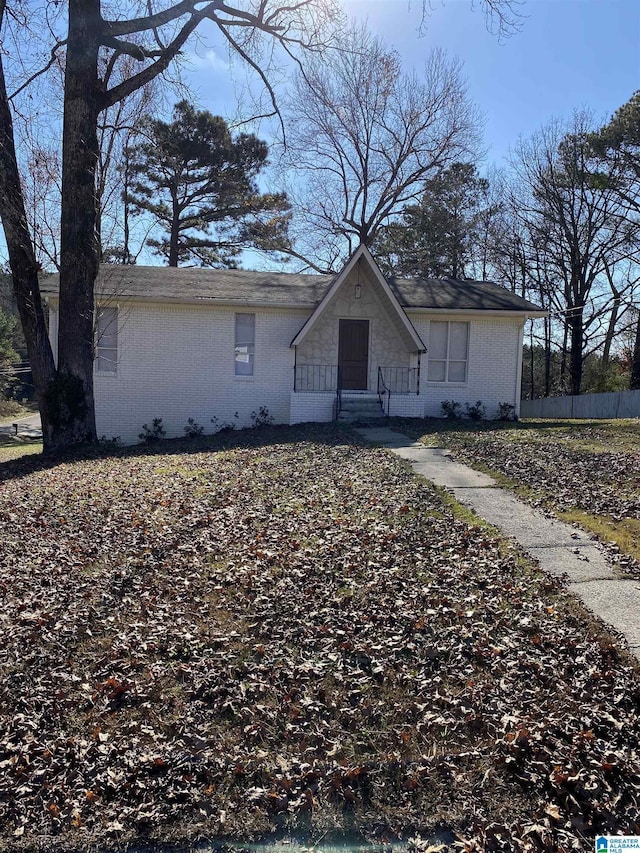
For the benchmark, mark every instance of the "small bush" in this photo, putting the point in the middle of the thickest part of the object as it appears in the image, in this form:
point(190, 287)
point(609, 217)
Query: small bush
point(226, 426)
point(8, 408)
point(506, 412)
point(193, 429)
point(151, 434)
point(114, 441)
point(451, 410)
point(261, 417)
point(476, 412)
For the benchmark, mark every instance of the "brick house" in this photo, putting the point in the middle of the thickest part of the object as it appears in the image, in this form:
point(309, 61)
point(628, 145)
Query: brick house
point(181, 343)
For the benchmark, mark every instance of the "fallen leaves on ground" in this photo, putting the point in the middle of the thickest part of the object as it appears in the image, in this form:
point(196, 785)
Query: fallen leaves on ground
point(292, 633)
point(593, 469)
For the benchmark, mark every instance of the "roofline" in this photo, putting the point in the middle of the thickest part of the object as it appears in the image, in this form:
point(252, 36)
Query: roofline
point(360, 252)
point(208, 301)
point(212, 301)
point(480, 312)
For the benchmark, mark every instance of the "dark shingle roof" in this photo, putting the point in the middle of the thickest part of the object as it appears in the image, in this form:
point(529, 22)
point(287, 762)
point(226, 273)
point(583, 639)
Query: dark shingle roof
point(247, 287)
point(191, 283)
point(454, 293)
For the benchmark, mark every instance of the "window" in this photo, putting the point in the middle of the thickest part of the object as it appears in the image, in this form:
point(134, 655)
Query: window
point(106, 357)
point(245, 343)
point(448, 352)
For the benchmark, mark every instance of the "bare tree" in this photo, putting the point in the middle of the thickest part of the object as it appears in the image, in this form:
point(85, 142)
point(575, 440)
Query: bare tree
point(65, 392)
point(118, 127)
point(502, 17)
point(363, 139)
point(575, 220)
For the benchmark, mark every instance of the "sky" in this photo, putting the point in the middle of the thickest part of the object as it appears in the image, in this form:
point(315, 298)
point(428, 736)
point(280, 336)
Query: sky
point(568, 54)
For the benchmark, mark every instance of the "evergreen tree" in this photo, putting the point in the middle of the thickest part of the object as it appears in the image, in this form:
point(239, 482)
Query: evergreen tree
point(199, 183)
point(437, 237)
point(620, 140)
point(8, 355)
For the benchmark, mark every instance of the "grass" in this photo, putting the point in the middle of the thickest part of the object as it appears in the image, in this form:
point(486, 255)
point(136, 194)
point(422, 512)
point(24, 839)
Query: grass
point(584, 471)
point(622, 532)
point(196, 645)
point(11, 448)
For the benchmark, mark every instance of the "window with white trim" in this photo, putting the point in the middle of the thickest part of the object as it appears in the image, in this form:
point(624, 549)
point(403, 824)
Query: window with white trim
point(245, 344)
point(448, 352)
point(106, 347)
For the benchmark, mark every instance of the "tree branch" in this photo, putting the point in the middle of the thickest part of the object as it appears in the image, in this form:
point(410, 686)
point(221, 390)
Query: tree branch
point(130, 48)
point(112, 96)
point(152, 22)
point(43, 70)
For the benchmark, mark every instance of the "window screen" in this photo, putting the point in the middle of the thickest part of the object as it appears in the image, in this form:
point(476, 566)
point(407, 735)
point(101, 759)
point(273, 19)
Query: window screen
point(245, 344)
point(106, 340)
point(448, 352)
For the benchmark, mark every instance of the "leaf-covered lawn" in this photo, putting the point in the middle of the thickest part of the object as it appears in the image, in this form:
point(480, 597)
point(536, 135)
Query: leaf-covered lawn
point(14, 449)
point(588, 470)
point(291, 632)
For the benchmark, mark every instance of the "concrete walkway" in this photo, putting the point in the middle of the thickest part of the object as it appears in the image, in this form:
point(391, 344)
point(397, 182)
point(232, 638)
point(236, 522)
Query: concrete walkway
point(560, 549)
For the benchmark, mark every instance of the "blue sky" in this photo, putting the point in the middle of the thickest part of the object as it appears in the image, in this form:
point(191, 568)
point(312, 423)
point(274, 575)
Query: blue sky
point(569, 54)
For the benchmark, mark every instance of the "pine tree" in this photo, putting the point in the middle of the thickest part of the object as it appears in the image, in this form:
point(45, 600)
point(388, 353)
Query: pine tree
point(199, 183)
point(437, 237)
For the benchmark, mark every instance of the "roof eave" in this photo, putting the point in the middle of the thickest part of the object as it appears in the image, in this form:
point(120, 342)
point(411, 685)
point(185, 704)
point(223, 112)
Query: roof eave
point(481, 312)
point(360, 252)
point(194, 300)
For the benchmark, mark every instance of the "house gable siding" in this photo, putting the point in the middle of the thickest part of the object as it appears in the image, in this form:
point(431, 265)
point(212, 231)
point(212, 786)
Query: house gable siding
point(385, 345)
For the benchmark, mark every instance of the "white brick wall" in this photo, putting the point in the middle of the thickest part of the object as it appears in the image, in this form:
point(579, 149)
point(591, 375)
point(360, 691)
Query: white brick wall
point(495, 346)
point(177, 362)
point(316, 407)
point(406, 406)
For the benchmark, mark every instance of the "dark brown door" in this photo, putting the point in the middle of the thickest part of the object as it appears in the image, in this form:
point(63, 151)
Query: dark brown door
point(353, 354)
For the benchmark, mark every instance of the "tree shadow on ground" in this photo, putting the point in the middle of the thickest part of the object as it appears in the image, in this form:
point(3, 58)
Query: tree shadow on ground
point(324, 433)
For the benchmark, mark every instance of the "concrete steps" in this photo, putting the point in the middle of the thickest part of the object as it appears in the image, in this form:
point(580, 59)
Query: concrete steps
point(360, 407)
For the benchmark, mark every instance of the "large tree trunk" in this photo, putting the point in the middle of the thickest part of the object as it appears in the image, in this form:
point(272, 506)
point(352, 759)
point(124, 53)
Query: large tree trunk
point(174, 236)
point(575, 353)
point(24, 267)
point(79, 239)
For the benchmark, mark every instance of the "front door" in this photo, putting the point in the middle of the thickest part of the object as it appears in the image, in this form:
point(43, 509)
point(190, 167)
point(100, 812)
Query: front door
point(353, 354)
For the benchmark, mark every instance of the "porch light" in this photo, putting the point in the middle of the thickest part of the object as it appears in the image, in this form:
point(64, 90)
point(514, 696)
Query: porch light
point(358, 291)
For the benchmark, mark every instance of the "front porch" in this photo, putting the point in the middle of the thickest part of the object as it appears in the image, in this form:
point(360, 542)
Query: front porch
point(318, 394)
point(358, 342)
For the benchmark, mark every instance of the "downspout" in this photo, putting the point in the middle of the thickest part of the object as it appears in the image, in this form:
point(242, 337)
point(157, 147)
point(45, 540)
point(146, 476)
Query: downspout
point(295, 367)
point(519, 366)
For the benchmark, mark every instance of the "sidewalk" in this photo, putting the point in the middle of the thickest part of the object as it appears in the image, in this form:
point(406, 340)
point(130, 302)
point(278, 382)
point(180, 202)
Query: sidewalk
point(560, 549)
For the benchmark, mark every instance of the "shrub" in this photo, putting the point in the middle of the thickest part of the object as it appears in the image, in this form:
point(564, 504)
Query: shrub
point(476, 412)
point(261, 417)
point(154, 433)
point(506, 412)
point(193, 429)
point(114, 441)
point(226, 426)
point(451, 410)
point(9, 408)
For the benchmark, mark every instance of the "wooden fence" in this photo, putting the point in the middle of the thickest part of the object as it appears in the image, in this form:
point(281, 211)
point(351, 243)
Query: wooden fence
point(616, 404)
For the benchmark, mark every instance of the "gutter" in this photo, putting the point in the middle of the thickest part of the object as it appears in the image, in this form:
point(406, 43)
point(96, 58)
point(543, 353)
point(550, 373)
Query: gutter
point(524, 314)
